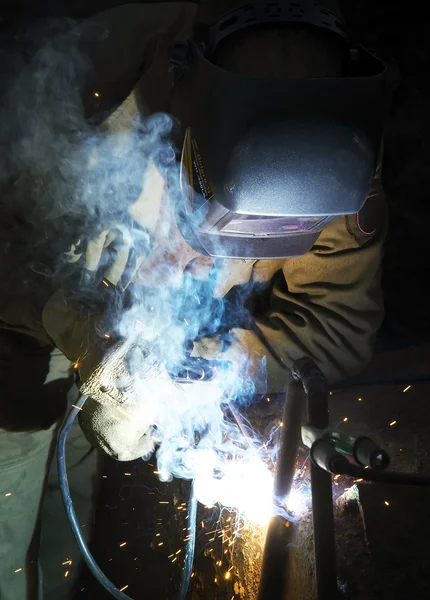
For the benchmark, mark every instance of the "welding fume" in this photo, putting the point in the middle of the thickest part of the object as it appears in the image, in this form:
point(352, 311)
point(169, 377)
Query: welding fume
point(184, 222)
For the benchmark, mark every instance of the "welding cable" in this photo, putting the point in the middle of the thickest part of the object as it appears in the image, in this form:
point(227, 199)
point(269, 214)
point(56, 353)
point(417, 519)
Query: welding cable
point(65, 492)
point(191, 545)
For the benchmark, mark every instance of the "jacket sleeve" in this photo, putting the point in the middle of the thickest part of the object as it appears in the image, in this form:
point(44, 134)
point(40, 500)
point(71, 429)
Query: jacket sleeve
point(326, 304)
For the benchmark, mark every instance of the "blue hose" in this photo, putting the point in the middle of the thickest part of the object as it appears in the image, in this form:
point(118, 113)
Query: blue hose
point(77, 532)
point(68, 504)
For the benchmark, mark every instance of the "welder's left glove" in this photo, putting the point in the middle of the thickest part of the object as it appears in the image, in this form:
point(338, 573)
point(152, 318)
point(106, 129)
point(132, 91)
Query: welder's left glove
point(120, 379)
point(123, 390)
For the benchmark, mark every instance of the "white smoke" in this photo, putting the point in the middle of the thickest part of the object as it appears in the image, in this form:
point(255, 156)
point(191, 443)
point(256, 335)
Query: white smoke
point(66, 180)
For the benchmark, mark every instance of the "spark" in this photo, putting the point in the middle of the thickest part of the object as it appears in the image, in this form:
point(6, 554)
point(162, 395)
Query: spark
point(345, 419)
point(186, 322)
point(161, 544)
point(104, 476)
point(105, 283)
point(123, 588)
point(360, 399)
point(96, 94)
point(407, 388)
point(127, 474)
point(78, 407)
point(157, 534)
point(164, 502)
point(281, 424)
point(66, 573)
point(336, 476)
point(8, 494)
point(176, 558)
point(123, 544)
point(18, 570)
point(227, 575)
point(393, 423)
point(179, 551)
point(67, 562)
point(171, 555)
point(386, 503)
point(267, 399)
point(107, 335)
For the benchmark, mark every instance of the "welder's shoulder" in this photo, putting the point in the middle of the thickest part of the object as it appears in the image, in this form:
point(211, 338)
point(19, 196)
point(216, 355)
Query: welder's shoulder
point(364, 229)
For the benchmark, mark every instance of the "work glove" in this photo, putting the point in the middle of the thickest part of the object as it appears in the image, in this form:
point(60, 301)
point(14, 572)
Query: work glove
point(119, 377)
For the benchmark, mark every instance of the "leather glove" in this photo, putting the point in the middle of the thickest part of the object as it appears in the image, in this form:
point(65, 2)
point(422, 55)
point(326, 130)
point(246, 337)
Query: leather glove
point(120, 380)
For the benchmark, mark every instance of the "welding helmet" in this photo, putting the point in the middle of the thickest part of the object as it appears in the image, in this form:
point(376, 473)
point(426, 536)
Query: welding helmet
point(267, 163)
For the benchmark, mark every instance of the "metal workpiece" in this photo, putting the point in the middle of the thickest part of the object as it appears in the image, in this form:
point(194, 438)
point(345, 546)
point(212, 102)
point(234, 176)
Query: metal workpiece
point(274, 572)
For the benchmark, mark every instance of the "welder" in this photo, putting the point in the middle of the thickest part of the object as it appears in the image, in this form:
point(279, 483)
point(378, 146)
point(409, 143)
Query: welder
point(279, 206)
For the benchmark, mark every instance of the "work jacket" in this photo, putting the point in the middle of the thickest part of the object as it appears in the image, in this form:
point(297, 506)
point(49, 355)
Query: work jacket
point(326, 304)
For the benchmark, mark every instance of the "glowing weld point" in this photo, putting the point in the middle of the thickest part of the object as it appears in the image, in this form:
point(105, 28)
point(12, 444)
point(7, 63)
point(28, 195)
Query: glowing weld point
point(407, 388)
point(393, 423)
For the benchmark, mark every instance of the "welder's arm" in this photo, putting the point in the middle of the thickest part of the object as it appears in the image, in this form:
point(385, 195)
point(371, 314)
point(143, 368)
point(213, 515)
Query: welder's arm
point(328, 303)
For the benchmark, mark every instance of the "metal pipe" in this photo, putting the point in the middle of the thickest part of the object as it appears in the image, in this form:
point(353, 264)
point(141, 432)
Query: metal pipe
point(274, 572)
point(322, 499)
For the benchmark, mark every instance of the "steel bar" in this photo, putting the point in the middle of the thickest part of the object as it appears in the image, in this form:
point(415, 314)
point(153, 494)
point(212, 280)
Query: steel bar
point(274, 572)
point(322, 499)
